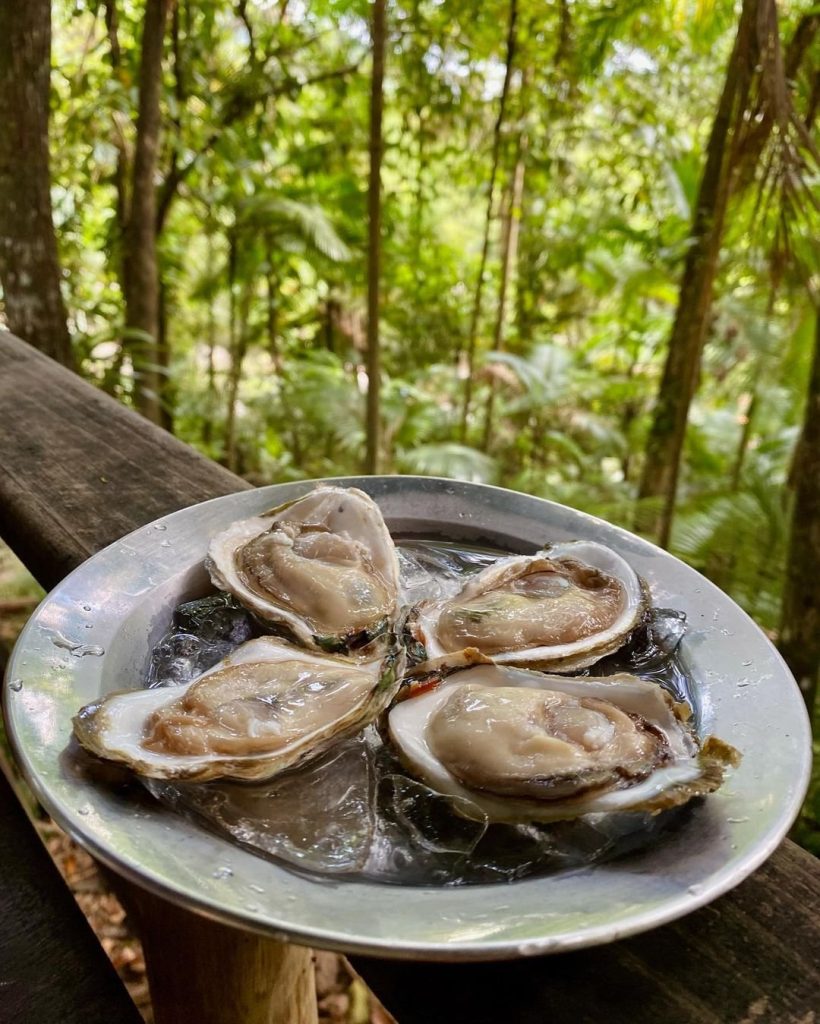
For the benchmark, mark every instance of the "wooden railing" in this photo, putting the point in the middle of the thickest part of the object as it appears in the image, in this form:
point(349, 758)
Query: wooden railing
point(77, 471)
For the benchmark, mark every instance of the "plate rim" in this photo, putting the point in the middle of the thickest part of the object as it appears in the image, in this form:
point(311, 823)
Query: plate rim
point(391, 947)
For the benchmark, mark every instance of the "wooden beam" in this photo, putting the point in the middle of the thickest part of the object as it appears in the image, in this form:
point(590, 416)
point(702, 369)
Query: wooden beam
point(752, 955)
point(78, 470)
point(52, 968)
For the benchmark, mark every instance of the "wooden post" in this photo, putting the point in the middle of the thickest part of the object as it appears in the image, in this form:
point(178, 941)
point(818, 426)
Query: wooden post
point(203, 972)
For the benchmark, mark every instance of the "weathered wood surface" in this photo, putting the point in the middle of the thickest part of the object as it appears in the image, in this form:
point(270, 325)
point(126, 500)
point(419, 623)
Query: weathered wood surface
point(752, 956)
point(44, 936)
point(77, 470)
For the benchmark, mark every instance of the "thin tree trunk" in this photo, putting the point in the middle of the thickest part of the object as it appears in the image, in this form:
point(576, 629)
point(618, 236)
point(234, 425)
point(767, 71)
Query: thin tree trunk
point(478, 299)
point(166, 390)
point(272, 285)
point(140, 260)
point(800, 626)
point(666, 437)
point(29, 264)
point(374, 239)
point(210, 403)
point(235, 377)
point(508, 260)
point(235, 370)
point(112, 378)
point(121, 170)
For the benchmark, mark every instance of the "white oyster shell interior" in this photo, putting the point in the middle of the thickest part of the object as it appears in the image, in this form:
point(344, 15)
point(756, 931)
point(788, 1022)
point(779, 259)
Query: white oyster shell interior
point(559, 610)
point(265, 707)
point(523, 746)
point(324, 566)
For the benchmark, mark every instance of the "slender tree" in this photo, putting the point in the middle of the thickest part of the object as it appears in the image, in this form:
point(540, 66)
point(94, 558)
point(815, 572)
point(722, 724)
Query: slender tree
point(29, 264)
point(509, 256)
point(665, 444)
point(374, 238)
point(140, 257)
point(800, 626)
point(478, 299)
point(756, 101)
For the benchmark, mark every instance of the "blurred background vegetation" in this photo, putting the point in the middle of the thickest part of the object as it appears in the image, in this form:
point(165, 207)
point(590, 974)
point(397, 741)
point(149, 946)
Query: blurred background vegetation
point(598, 254)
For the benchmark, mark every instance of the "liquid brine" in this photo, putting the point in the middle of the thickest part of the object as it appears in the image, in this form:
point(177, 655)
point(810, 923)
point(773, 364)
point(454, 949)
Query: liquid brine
point(354, 812)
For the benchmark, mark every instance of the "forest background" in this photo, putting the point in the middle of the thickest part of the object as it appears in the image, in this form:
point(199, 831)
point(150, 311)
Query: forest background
point(565, 247)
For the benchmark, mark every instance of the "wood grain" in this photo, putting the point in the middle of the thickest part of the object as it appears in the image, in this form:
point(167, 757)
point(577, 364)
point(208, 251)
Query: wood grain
point(203, 972)
point(77, 471)
point(52, 969)
point(751, 956)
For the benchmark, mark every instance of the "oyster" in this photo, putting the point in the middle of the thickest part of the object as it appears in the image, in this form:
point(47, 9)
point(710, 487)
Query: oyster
point(521, 746)
point(560, 610)
point(323, 568)
point(265, 707)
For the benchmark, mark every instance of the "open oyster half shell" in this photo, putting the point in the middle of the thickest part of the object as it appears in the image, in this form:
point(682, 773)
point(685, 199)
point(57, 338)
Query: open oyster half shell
point(265, 707)
point(520, 746)
point(560, 610)
point(322, 568)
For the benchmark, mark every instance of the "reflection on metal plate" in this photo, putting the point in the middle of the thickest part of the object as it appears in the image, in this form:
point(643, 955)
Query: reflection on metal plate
point(127, 592)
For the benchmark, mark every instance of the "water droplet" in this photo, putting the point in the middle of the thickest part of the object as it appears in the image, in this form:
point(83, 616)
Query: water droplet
point(530, 948)
point(737, 821)
point(223, 872)
point(693, 890)
point(160, 526)
point(256, 888)
point(745, 664)
point(253, 907)
point(462, 515)
point(16, 685)
point(744, 682)
point(88, 625)
point(86, 607)
point(165, 544)
point(77, 649)
point(85, 809)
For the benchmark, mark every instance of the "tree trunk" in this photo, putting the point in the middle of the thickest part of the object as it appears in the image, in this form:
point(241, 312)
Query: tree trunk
point(478, 299)
point(508, 261)
point(140, 257)
point(800, 625)
point(374, 239)
point(666, 437)
point(167, 395)
point(29, 264)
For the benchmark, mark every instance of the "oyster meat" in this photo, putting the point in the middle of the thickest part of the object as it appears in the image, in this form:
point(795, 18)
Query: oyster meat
point(322, 568)
point(521, 746)
point(265, 707)
point(559, 610)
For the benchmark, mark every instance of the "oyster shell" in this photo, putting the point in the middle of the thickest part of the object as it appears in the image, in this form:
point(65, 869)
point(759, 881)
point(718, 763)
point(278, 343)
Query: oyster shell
point(521, 746)
point(265, 707)
point(559, 610)
point(323, 568)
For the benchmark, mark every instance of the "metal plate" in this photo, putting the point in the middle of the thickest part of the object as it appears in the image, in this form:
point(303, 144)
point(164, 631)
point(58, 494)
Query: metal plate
point(121, 600)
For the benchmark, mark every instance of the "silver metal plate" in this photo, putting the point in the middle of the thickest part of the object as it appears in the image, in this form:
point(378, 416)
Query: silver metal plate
point(121, 601)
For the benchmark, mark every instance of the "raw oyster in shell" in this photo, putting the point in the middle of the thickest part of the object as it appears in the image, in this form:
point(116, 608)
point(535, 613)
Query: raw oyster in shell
point(561, 609)
point(521, 746)
point(265, 707)
point(323, 568)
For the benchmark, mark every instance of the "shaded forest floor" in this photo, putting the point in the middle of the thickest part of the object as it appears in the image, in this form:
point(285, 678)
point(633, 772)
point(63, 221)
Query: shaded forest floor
point(342, 996)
